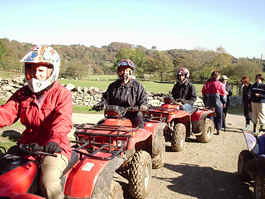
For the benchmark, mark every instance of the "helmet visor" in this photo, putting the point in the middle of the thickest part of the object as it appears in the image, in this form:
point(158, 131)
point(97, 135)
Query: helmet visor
point(125, 63)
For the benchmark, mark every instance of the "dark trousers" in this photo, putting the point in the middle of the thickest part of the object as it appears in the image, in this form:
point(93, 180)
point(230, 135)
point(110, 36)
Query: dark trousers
point(137, 118)
point(247, 111)
point(224, 117)
point(218, 119)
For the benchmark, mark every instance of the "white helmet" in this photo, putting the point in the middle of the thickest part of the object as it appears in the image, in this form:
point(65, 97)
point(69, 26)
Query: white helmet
point(42, 54)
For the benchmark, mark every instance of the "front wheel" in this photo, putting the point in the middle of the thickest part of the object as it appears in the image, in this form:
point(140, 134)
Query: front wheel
point(259, 190)
point(178, 137)
point(207, 131)
point(243, 158)
point(140, 168)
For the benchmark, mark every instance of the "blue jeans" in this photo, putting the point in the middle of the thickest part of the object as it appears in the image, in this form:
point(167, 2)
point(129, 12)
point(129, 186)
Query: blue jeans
point(187, 108)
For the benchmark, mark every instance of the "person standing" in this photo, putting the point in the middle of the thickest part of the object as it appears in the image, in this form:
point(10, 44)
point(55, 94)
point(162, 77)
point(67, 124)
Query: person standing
point(257, 93)
point(228, 88)
point(44, 107)
point(214, 97)
point(246, 85)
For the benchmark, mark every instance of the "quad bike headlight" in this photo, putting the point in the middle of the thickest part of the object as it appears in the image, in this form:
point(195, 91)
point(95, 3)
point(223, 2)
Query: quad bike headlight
point(121, 143)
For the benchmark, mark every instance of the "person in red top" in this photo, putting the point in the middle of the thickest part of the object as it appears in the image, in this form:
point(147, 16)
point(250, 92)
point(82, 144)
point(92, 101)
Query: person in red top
point(44, 107)
point(214, 96)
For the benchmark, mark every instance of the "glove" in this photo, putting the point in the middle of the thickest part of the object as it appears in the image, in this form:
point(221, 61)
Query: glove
point(52, 147)
point(35, 147)
point(143, 107)
point(98, 107)
point(179, 101)
point(14, 150)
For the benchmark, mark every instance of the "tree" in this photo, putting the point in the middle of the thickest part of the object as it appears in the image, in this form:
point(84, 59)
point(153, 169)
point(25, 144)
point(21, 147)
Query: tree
point(242, 68)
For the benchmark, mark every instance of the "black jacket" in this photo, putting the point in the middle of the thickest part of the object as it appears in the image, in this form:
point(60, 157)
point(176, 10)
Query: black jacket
point(185, 92)
point(260, 89)
point(228, 89)
point(128, 95)
point(246, 94)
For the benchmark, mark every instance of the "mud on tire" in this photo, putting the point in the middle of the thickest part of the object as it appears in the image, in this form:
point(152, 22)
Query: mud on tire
point(243, 158)
point(207, 131)
point(178, 137)
point(140, 175)
point(158, 160)
point(158, 147)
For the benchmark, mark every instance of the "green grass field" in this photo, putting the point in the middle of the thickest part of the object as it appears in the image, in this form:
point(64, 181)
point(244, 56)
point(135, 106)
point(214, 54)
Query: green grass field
point(149, 86)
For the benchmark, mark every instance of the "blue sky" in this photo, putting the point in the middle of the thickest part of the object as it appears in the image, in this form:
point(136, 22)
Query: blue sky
point(237, 26)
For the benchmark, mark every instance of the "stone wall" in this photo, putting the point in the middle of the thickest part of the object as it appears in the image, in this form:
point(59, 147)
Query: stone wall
point(87, 96)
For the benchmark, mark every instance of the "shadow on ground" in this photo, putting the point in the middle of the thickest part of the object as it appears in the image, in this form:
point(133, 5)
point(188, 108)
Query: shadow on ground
point(206, 183)
point(233, 130)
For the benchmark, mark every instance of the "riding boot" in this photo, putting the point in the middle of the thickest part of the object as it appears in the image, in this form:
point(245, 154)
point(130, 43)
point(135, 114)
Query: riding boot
point(254, 128)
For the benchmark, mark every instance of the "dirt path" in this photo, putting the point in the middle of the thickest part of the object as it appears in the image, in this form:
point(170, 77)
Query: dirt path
point(204, 171)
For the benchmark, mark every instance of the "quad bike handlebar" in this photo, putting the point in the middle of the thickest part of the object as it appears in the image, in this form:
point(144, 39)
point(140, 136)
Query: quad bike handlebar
point(120, 111)
point(29, 149)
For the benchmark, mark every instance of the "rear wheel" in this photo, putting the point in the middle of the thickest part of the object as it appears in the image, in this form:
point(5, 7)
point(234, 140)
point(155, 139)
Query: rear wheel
point(140, 175)
point(178, 137)
point(158, 146)
point(243, 158)
point(207, 131)
point(158, 160)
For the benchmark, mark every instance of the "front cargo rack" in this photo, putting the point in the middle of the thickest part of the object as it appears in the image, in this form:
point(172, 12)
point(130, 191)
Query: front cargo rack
point(100, 145)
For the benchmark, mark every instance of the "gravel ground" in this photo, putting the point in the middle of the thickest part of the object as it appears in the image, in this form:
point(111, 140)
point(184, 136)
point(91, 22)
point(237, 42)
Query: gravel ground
point(202, 170)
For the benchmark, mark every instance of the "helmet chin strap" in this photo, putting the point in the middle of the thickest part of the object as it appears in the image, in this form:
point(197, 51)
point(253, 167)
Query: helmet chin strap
point(182, 82)
point(125, 78)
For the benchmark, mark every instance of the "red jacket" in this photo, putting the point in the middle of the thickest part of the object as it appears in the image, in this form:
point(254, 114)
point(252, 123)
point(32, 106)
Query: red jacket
point(214, 87)
point(47, 119)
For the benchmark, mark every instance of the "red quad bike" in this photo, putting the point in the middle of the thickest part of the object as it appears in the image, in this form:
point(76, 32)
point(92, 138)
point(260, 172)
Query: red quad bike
point(251, 163)
point(140, 149)
point(181, 124)
point(101, 151)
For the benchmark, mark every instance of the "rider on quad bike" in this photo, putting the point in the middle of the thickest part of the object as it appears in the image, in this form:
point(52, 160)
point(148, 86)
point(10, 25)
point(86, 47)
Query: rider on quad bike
point(126, 92)
point(183, 91)
point(44, 107)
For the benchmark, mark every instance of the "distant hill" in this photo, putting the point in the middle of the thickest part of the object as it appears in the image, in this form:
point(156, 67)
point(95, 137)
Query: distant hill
point(78, 60)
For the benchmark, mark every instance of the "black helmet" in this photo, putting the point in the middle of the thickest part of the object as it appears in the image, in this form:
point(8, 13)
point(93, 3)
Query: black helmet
point(126, 62)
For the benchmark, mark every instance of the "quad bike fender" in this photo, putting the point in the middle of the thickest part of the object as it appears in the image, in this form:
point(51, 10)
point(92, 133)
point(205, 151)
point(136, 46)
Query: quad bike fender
point(180, 115)
point(18, 180)
point(198, 119)
point(139, 136)
point(86, 178)
point(201, 114)
point(21, 196)
point(142, 138)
